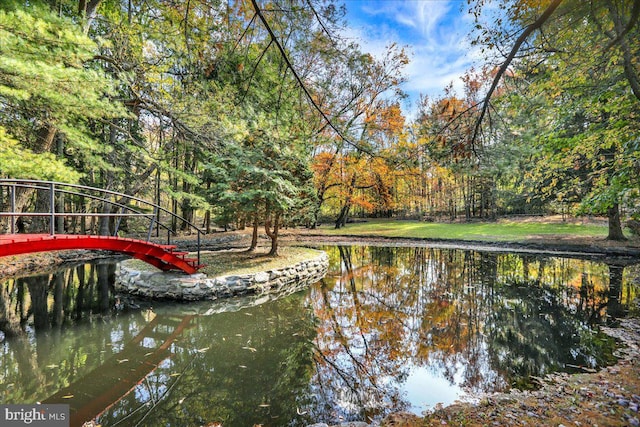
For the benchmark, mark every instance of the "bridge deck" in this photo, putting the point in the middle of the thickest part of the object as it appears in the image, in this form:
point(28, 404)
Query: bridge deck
point(162, 256)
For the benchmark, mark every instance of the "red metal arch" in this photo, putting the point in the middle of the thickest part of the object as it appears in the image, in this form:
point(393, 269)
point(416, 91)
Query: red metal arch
point(162, 256)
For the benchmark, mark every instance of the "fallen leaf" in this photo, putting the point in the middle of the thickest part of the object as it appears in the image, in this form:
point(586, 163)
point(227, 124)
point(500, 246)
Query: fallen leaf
point(251, 349)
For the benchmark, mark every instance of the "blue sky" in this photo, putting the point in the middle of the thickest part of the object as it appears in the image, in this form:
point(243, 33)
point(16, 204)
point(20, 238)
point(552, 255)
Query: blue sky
point(434, 31)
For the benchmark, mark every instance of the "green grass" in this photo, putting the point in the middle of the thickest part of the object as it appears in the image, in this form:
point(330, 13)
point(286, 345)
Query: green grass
point(487, 231)
point(224, 263)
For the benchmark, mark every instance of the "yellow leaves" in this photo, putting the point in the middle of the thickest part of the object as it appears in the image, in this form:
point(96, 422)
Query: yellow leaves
point(392, 118)
point(322, 162)
point(363, 202)
point(448, 108)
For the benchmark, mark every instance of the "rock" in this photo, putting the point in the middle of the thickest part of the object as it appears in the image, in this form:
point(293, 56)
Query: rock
point(261, 277)
point(198, 287)
point(405, 419)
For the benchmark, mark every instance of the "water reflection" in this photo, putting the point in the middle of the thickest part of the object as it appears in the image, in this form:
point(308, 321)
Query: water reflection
point(406, 328)
point(389, 329)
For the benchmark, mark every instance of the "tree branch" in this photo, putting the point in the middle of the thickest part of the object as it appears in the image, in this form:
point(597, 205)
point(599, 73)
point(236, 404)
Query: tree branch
point(287, 61)
point(505, 65)
point(635, 14)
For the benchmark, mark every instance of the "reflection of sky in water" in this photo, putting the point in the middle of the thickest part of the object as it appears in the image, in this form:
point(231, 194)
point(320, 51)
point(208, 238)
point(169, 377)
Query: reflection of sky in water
point(425, 387)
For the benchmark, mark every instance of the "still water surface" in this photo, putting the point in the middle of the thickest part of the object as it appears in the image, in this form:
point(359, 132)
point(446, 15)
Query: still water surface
point(388, 329)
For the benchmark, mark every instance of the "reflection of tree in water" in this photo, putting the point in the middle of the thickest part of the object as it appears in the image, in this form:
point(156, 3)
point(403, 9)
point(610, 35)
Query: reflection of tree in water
point(367, 324)
point(36, 356)
point(531, 332)
point(47, 301)
point(480, 320)
point(240, 368)
point(230, 370)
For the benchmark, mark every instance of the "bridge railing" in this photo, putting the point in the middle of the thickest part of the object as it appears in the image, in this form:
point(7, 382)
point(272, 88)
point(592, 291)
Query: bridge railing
point(12, 189)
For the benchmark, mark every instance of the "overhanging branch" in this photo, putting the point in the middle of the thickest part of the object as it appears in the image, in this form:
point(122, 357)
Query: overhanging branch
point(505, 65)
point(287, 61)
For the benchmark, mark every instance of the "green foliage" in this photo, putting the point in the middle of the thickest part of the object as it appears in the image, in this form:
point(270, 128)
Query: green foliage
point(20, 162)
point(258, 173)
point(46, 79)
point(573, 100)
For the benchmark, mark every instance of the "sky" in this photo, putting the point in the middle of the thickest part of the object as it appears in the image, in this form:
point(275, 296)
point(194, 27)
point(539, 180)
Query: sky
point(434, 31)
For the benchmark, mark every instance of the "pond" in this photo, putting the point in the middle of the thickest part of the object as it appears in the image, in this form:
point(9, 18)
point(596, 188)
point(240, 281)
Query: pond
point(388, 329)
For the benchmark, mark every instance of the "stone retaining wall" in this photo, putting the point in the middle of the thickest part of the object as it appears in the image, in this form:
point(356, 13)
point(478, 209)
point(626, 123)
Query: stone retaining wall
point(162, 285)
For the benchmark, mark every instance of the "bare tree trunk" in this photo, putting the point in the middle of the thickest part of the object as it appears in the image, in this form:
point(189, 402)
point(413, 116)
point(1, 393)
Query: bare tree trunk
point(207, 214)
point(104, 228)
point(44, 143)
point(187, 208)
point(341, 221)
point(273, 235)
point(615, 225)
point(254, 234)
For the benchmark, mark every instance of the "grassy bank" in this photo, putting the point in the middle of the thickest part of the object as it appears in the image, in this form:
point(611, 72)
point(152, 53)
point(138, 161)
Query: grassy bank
point(504, 230)
point(242, 262)
point(221, 263)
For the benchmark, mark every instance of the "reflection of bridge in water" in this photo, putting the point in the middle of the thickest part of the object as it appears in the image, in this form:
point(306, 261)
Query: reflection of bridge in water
point(52, 202)
point(104, 386)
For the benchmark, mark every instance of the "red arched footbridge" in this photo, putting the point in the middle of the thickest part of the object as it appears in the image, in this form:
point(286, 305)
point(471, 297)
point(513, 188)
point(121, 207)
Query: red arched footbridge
point(65, 209)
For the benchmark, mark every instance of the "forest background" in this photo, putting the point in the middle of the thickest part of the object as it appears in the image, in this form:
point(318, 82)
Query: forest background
point(235, 113)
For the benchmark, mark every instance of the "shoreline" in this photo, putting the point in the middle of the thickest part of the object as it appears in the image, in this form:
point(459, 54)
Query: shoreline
point(546, 246)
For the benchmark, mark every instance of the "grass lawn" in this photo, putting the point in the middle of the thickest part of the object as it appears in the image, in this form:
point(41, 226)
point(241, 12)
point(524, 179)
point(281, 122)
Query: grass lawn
point(487, 231)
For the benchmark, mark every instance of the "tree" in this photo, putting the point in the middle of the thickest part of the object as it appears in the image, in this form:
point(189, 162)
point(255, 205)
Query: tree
point(260, 179)
point(579, 56)
point(49, 93)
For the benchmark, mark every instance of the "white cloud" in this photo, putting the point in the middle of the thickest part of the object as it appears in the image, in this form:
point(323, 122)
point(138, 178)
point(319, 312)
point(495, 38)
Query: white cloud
point(435, 31)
